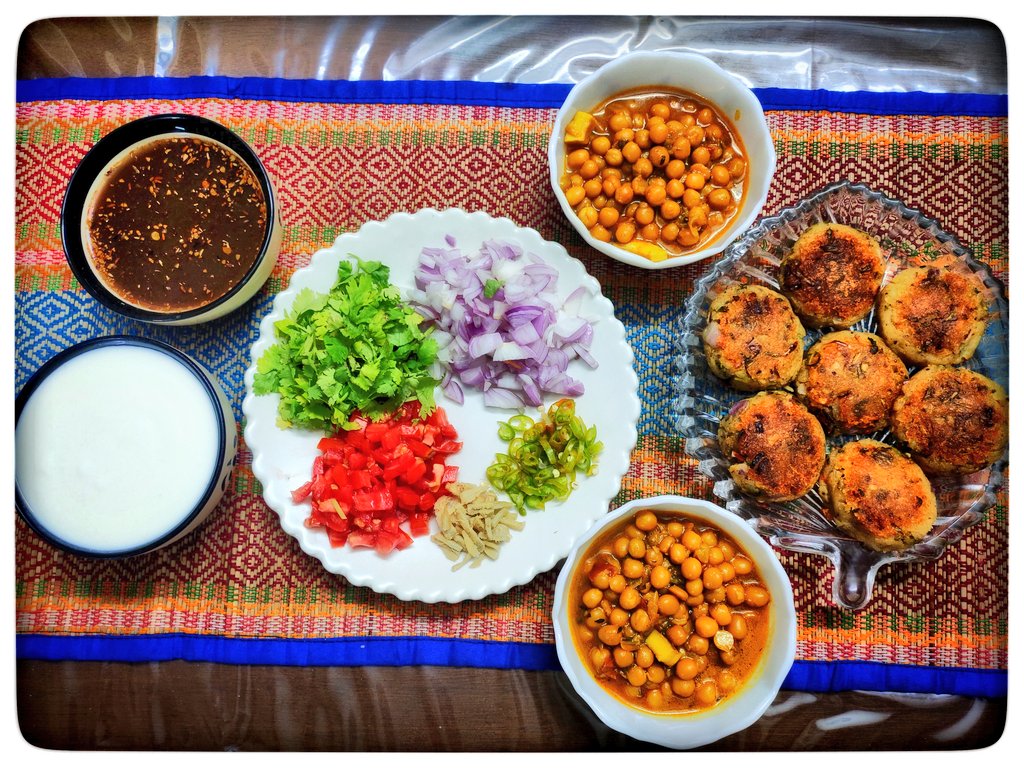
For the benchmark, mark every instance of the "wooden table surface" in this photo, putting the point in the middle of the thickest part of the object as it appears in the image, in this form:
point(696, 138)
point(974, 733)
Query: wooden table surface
point(206, 706)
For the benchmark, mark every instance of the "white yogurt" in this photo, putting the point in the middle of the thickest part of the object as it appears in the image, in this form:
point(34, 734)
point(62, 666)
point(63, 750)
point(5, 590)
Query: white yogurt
point(117, 447)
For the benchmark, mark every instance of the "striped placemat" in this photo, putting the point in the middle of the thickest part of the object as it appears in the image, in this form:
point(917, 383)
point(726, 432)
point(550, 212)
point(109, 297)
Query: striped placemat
point(239, 590)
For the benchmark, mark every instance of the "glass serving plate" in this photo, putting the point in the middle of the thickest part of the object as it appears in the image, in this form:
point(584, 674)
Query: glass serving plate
point(701, 399)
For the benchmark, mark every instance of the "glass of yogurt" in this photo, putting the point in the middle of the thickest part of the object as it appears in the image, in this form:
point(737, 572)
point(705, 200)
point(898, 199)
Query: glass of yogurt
point(122, 446)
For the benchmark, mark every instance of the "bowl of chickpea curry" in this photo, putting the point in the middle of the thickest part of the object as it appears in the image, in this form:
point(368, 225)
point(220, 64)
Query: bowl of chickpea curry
point(674, 621)
point(661, 159)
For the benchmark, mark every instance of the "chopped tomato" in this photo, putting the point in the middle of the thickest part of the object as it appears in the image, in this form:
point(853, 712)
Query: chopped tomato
point(370, 481)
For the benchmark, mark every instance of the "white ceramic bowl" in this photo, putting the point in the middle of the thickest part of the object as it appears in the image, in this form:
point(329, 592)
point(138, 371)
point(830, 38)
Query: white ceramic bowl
point(678, 71)
point(738, 711)
point(122, 446)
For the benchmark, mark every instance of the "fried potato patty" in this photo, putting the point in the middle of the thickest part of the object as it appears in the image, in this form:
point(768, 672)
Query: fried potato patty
point(952, 420)
point(850, 379)
point(933, 315)
point(774, 446)
point(832, 275)
point(878, 495)
point(753, 340)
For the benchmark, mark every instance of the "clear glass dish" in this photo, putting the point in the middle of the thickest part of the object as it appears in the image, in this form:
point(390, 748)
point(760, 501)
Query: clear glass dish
point(700, 399)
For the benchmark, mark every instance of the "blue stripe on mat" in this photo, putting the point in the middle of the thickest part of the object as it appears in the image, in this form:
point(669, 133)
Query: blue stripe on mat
point(813, 676)
point(547, 95)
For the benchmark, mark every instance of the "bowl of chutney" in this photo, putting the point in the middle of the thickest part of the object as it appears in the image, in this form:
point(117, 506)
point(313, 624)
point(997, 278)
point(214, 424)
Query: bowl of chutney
point(171, 219)
point(674, 621)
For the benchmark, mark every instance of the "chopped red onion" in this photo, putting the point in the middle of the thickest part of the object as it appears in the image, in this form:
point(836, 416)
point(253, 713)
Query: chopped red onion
point(500, 324)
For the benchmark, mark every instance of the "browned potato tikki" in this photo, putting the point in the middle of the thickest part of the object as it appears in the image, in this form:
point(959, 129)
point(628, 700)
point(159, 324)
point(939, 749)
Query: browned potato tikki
point(878, 495)
point(753, 340)
point(851, 379)
point(933, 315)
point(952, 420)
point(832, 275)
point(774, 446)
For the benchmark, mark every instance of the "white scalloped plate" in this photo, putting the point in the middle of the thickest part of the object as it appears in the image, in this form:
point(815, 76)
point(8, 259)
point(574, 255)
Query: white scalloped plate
point(282, 458)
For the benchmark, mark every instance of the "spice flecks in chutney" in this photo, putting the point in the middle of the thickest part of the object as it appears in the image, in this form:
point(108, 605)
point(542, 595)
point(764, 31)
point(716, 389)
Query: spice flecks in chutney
point(176, 224)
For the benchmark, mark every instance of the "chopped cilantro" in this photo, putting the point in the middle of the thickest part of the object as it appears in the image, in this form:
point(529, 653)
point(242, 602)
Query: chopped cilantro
point(491, 287)
point(358, 347)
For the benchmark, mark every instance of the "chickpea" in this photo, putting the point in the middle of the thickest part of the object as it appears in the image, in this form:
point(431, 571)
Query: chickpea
point(742, 565)
point(658, 133)
point(660, 577)
point(637, 547)
point(574, 195)
point(588, 216)
point(695, 135)
point(757, 596)
point(714, 132)
point(721, 614)
point(706, 693)
point(720, 175)
point(598, 657)
point(589, 169)
point(592, 598)
point(656, 674)
point(705, 626)
point(660, 109)
point(620, 547)
point(691, 539)
point(735, 594)
point(622, 658)
point(705, 116)
point(655, 195)
point(659, 156)
point(644, 656)
point(625, 232)
point(610, 185)
point(613, 157)
point(655, 699)
point(677, 553)
point(669, 233)
point(640, 620)
point(674, 169)
point(654, 558)
point(681, 148)
point(712, 578)
point(600, 145)
point(700, 155)
point(727, 571)
point(738, 626)
point(601, 578)
point(632, 569)
point(687, 237)
point(667, 604)
point(677, 634)
point(618, 617)
point(727, 681)
point(698, 217)
point(601, 233)
point(715, 556)
point(670, 209)
point(608, 216)
point(624, 194)
point(650, 232)
point(609, 635)
point(577, 158)
point(690, 567)
point(695, 588)
point(629, 599)
point(593, 187)
point(636, 676)
point(737, 167)
point(720, 199)
point(631, 152)
point(617, 583)
point(643, 167)
point(639, 185)
point(687, 668)
point(646, 521)
point(644, 214)
point(702, 169)
point(691, 199)
point(642, 138)
point(620, 120)
point(683, 688)
point(674, 529)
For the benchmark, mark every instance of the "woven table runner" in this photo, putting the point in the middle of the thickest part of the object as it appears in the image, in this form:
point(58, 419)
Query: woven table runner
point(240, 590)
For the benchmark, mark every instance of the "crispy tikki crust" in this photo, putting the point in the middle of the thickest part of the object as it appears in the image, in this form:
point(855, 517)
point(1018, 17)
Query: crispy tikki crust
point(933, 315)
point(753, 340)
point(832, 275)
point(774, 446)
point(850, 379)
point(952, 420)
point(878, 495)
